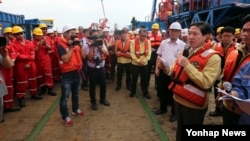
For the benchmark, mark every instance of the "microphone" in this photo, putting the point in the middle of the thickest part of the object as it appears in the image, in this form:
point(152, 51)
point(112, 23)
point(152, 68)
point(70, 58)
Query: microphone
point(227, 86)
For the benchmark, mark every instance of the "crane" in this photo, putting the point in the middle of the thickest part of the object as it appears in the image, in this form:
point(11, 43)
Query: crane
point(153, 9)
point(103, 23)
point(103, 10)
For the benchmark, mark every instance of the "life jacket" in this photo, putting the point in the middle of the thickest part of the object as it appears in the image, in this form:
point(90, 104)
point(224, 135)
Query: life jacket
point(233, 64)
point(75, 62)
point(137, 47)
point(155, 41)
point(219, 48)
point(183, 86)
point(123, 51)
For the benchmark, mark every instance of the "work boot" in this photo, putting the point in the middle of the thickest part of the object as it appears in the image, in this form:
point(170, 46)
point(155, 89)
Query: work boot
point(216, 113)
point(22, 102)
point(12, 109)
point(118, 87)
point(42, 90)
point(36, 97)
point(51, 92)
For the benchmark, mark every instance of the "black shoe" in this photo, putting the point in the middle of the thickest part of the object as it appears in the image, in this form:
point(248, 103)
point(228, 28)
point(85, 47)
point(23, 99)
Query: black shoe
point(129, 88)
point(172, 118)
point(85, 88)
point(105, 102)
point(147, 96)
point(94, 107)
point(159, 112)
point(22, 102)
point(216, 113)
point(2, 121)
point(118, 88)
point(36, 97)
point(12, 109)
point(42, 90)
point(132, 95)
point(52, 93)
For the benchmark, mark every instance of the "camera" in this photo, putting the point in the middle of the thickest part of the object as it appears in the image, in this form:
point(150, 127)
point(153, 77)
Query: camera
point(96, 40)
point(3, 42)
point(98, 61)
point(75, 40)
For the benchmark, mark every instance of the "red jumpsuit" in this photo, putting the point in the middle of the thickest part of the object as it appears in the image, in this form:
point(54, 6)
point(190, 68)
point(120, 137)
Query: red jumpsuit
point(8, 100)
point(54, 58)
point(43, 66)
point(25, 77)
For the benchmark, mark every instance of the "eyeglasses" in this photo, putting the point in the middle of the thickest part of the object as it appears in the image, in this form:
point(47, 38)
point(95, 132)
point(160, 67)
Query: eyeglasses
point(20, 33)
point(246, 30)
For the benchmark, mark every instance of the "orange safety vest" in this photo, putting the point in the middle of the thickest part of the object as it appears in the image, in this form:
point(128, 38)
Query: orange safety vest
point(233, 64)
point(218, 47)
point(137, 47)
point(155, 41)
point(183, 86)
point(75, 62)
point(123, 51)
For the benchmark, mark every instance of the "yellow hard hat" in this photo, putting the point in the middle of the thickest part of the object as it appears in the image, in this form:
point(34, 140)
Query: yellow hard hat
point(155, 26)
point(219, 29)
point(16, 29)
point(37, 31)
point(8, 30)
point(42, 25)
point(237, 31)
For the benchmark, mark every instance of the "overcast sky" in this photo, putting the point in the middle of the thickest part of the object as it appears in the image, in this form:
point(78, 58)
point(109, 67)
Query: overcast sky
point(80, 12)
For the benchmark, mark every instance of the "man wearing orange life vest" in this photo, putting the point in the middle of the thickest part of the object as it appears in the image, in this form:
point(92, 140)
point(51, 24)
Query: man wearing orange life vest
point(140, 51)
point(25, 65)
point(155, 39)
point(224, 47)
point(193, 78)
point(112, 58)
point(8, 100)
point(71, 55)
point(49, 43)
point(234, 62)
point(122, 50)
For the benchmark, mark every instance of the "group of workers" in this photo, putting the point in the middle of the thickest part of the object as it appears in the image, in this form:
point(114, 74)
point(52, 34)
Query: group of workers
point(35, 66)
point(188, 64)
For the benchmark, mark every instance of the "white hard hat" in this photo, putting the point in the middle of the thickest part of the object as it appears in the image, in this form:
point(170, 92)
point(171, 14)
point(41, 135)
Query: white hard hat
point(137, 31)
point(67, 28)
point(50, 31)
point(163, 31)
point(176, 26)
point(105, 29)
point(184, 32)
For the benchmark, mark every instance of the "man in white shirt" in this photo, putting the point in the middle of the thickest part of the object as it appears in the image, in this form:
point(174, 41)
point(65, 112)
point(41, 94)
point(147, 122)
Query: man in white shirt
point(168, 52)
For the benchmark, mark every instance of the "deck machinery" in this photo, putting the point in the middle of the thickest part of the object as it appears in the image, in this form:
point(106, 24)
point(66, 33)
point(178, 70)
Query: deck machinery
point(215, 12)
